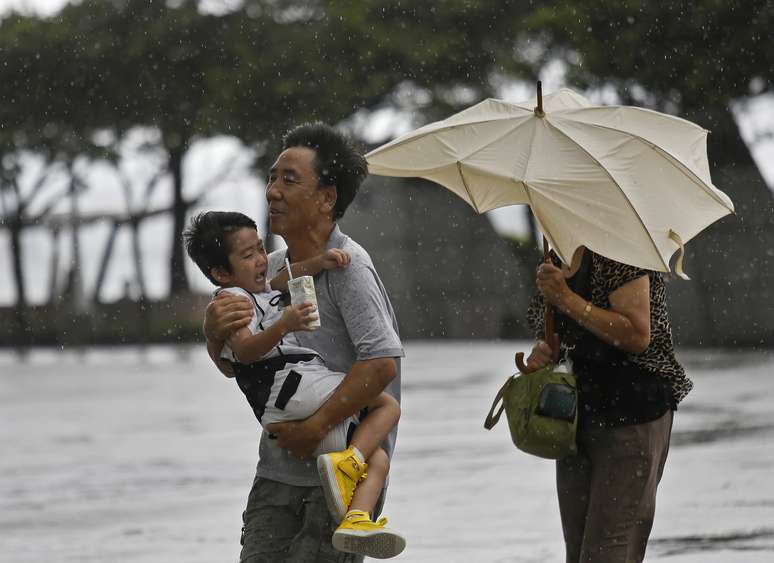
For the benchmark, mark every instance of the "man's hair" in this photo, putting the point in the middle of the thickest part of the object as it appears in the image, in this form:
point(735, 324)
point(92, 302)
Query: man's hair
point(207, 239)
point(337, 162)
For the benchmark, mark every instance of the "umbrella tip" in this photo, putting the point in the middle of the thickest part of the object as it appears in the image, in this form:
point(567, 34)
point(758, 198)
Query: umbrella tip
point(539, 108)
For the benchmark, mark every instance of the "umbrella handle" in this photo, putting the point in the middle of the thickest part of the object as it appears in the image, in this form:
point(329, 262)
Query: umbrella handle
point(520, 363)
point(548, 314)
point(548, 321)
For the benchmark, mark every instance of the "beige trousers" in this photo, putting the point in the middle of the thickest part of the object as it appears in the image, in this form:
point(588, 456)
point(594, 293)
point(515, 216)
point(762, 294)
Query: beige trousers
point(607, 493)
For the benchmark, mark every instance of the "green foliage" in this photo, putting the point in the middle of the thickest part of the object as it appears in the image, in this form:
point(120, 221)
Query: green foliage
point(684, 56)
point(107, 65)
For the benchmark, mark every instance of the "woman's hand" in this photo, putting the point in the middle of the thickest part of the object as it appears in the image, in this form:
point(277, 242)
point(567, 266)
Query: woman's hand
point(225, 314)
point(552, 285)
point(543, 354)
point(298, 317)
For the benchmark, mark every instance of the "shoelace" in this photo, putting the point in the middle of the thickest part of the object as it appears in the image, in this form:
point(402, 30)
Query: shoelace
point(358, 517)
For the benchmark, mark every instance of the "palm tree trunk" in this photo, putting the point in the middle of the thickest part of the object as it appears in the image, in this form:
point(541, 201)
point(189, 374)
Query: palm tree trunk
point(178, 280)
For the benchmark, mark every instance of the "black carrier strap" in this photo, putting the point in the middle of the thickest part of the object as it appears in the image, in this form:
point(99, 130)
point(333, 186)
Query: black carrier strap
point(256, 379)
point(289, 388)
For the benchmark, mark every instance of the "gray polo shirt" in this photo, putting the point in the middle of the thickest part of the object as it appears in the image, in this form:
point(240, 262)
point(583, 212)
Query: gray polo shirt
point(358, 323)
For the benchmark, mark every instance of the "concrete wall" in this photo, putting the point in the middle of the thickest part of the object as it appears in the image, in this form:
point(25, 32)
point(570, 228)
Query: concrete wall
point(448, 273)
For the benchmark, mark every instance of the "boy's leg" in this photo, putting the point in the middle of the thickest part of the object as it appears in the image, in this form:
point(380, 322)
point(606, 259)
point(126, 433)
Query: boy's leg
point(383, 415)
point(341, 472)
point(360, 531)
point(368, 491)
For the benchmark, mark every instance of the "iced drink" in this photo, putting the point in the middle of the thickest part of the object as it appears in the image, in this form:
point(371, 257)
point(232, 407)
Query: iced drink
point(302, 291)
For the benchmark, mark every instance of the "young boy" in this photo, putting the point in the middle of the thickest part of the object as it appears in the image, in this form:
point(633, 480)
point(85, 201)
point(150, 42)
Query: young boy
point(284, 381)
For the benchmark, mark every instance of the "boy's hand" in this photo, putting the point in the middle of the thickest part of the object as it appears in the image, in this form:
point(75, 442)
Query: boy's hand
point(298, 317)
point(334, 258)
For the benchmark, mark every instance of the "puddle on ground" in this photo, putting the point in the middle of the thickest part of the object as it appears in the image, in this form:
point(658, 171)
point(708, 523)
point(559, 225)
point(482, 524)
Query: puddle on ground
point(756, 540)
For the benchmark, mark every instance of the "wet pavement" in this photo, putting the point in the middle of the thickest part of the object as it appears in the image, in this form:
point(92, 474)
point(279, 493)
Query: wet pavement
point(147, 456)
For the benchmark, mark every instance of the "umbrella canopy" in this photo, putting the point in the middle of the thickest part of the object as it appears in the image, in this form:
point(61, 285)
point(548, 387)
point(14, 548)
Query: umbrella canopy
point(628, 183)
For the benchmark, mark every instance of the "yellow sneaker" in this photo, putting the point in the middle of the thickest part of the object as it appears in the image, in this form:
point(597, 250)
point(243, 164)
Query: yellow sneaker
point(358, 534)
point(340, 472)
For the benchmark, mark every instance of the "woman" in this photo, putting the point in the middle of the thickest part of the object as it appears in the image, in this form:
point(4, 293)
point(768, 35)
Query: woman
point(612, 323)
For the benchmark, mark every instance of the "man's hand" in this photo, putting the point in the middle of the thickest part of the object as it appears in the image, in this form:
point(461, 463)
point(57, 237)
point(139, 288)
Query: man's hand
point(299, 437)
point(225, 314)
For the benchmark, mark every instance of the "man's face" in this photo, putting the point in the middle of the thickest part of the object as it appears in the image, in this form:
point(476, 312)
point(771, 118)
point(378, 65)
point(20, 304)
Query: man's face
point(295, 200)
point(248, 261)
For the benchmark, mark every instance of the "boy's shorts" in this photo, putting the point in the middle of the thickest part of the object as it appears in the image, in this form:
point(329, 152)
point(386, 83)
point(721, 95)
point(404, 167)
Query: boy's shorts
point(298, 391)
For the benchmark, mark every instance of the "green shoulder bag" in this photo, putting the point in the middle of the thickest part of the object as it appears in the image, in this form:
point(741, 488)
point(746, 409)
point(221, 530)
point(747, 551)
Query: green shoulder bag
point(542, 412)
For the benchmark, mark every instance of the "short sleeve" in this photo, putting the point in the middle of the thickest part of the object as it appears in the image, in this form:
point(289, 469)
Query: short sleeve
point(257, 315)
point(363, 305)
point(615, 274)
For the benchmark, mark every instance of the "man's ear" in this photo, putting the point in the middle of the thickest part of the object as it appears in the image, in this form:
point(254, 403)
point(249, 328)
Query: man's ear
point(220, 274)
point(328, 201)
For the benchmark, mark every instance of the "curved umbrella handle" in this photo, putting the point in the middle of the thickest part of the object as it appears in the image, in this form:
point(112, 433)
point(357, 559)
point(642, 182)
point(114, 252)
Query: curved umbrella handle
point(519, 359)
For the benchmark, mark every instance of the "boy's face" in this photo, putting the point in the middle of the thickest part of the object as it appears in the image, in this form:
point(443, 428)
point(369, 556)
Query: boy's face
point(248, 262)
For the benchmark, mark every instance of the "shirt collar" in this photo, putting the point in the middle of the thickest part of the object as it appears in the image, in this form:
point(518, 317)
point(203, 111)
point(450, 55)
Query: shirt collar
point(337, 238)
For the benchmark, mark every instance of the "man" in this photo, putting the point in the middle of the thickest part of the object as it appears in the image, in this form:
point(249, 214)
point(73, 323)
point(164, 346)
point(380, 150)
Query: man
point(310, 186)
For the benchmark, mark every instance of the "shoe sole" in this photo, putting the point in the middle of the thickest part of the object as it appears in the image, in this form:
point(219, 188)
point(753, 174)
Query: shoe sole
point(330, 487)
point(379, 545)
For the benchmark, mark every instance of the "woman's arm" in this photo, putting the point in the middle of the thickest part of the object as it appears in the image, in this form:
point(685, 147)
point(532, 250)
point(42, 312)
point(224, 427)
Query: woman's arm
point(625, 325)
point(333, 258)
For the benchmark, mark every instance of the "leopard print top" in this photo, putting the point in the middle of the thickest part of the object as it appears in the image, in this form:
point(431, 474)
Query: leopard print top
point(659, 357)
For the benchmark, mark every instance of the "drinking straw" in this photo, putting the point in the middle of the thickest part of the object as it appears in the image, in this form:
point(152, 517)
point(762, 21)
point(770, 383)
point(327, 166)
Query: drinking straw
point(287, 264)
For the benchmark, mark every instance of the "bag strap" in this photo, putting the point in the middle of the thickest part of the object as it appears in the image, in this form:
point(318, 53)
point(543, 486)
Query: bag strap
point(492, 418)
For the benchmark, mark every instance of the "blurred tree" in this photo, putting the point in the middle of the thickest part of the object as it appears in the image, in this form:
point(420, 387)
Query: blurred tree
point(252, 72)
point(693, 59)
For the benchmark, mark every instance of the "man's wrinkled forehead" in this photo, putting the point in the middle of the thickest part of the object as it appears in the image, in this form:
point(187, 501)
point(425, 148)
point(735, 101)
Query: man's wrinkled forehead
point(297, 160)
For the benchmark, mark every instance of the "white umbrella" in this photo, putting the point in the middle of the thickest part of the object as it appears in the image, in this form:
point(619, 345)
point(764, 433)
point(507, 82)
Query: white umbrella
point(628, 183)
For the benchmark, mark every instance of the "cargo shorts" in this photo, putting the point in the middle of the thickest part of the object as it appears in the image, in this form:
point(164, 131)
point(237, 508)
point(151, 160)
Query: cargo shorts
point(289, 524)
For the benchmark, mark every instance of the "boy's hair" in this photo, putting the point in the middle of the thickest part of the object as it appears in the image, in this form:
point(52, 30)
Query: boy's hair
point(337, 162)
point(207, 239)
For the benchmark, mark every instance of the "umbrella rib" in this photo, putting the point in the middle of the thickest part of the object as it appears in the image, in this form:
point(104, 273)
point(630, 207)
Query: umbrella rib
point(623, 193)
point(467, 189)
point(412, 139)
point(672, 158)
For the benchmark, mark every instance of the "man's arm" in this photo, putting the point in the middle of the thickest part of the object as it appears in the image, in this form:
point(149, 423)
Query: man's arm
point(362, 384)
